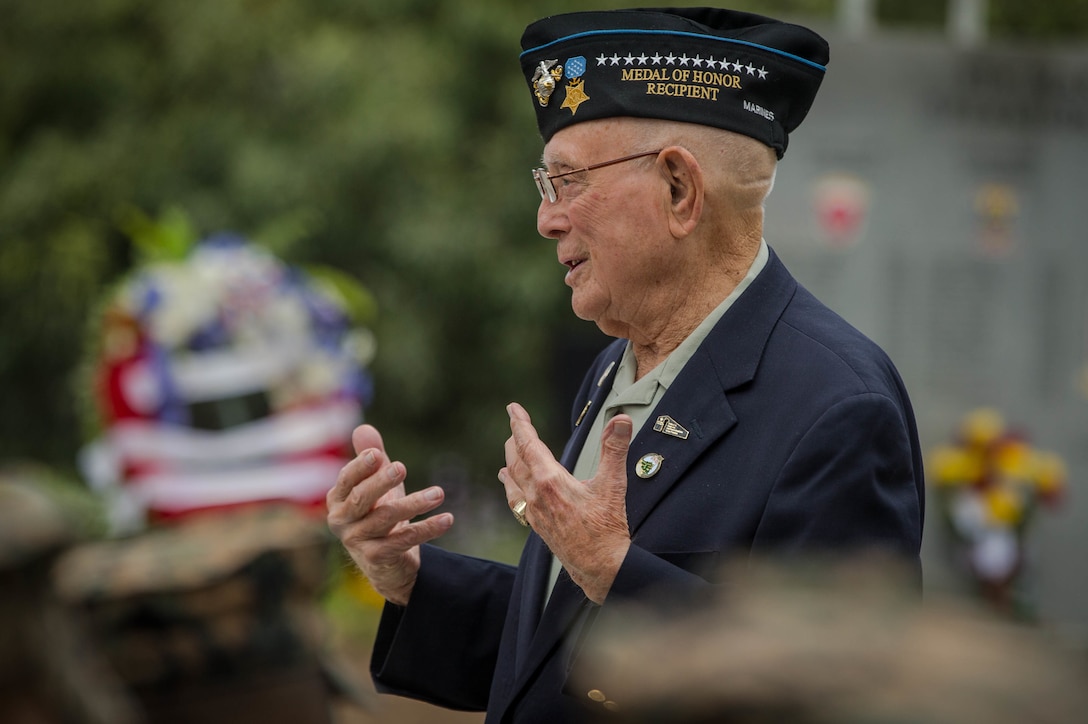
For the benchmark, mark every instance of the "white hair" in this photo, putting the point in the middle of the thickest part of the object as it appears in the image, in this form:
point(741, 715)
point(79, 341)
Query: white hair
point(734, 164)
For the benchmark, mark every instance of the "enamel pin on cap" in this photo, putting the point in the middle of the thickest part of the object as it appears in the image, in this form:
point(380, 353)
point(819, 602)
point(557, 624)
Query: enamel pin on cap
point(649, 465)
point(576, 94)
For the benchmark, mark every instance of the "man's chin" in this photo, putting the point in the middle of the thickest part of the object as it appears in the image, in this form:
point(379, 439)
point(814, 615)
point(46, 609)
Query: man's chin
point(581, 310)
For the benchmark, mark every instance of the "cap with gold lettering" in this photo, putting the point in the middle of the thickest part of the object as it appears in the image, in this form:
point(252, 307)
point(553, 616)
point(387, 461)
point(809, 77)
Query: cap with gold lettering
point(738, 71)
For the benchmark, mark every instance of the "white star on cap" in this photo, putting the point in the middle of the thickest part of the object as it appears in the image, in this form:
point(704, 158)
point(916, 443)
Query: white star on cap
point(629, 59)
point(602, 59)
point(656, 58)
point(751, 69)
point(615, 60)
point(698, 60)
point(642, 59)
point(684, 59)
point(762, 73)
point(670, 59)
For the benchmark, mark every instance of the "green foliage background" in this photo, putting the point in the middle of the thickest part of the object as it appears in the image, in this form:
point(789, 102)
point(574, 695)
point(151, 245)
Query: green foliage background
point(390, 139)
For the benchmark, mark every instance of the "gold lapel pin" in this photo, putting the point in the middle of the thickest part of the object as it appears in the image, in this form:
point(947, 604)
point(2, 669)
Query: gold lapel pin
point(583, 413)
point(607, 370)
point(669, 426)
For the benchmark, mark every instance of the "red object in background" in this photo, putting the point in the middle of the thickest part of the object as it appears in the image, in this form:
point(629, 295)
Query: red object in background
point(841, 203)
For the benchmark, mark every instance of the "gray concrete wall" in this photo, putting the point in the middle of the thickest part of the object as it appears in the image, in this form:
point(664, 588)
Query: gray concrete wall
point(976, 308)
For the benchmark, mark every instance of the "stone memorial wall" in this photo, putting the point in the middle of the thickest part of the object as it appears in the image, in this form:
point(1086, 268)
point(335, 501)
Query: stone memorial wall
point(937, 197)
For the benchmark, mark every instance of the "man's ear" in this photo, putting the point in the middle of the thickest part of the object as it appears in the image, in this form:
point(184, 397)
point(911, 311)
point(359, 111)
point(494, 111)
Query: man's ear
point(686, 186)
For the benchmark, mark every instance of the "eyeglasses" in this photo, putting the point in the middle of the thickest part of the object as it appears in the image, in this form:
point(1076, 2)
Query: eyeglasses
point(544, 179)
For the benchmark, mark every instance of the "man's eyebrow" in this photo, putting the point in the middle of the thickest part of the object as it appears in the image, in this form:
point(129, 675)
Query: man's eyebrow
point(557, 164)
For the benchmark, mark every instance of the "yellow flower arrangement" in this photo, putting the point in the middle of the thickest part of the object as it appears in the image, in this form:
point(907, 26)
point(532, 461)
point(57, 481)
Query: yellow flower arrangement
point(989, 483)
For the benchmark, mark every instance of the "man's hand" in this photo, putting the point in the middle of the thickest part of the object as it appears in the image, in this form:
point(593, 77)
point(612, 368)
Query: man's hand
point(583, 523)
point(370, 514)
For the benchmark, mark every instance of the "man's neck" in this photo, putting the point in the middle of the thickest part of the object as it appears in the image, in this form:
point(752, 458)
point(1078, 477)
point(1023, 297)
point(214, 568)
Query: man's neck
point(695, 301)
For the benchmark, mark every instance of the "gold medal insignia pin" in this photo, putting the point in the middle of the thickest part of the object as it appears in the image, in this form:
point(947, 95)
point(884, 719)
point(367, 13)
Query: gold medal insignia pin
point(576, 93)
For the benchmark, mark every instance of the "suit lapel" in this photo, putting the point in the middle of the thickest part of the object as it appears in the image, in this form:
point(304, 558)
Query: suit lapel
point(697, 398)
point(697, 403)
point(592, 404)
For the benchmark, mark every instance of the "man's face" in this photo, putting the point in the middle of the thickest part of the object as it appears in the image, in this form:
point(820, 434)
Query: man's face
point(609, 225)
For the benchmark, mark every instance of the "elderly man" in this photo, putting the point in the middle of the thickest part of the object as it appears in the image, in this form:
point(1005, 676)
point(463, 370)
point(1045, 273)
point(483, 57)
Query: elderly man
point(734, 415)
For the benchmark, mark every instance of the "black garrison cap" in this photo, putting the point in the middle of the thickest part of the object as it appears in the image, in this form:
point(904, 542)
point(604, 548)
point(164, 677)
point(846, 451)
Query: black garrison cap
point(738, 71)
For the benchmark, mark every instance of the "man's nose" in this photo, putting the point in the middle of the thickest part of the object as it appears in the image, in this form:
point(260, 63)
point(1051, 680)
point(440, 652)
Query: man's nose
point(551, 219)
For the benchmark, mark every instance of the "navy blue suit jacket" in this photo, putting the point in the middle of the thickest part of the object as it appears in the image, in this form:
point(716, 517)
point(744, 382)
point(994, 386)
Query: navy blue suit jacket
point(802, 439)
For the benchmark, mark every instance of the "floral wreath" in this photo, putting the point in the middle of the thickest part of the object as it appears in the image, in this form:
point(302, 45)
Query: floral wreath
point(222, 376)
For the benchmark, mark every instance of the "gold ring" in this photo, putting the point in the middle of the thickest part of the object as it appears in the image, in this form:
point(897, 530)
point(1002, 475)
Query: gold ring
point(519, 512)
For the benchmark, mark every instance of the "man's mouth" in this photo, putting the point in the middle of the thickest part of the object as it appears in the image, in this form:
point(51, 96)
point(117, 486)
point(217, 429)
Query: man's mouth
point(573, 263)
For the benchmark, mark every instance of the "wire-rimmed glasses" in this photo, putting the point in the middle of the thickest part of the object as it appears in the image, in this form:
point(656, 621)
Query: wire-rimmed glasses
point(544, 179)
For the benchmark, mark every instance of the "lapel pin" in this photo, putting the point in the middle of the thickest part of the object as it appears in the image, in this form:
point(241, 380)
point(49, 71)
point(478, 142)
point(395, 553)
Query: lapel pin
point(607, 370)
point(648, 465)
point(583, 414)
point(669, 426)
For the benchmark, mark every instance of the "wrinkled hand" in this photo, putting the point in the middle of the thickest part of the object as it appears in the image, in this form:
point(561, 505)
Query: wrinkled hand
point(583, 523)
point(370, 513)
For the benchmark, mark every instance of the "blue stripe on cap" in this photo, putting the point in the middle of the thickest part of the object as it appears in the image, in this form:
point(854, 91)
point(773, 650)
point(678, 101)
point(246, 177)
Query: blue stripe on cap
point(589, 33)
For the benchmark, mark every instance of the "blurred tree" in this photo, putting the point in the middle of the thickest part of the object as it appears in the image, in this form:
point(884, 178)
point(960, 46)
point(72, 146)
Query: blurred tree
point(389, 138)
point(376, 136)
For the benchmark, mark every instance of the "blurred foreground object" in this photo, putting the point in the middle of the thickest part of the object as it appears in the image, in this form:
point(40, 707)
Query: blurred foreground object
point(222, 376)
point(49, 672)
point(214, 618)
point(829, 645)
point(990, 481)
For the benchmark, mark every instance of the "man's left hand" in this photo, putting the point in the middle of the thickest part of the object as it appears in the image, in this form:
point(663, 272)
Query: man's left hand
point(583, 523)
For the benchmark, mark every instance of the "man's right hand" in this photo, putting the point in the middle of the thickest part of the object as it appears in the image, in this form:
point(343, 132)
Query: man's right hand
point(370, 513)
